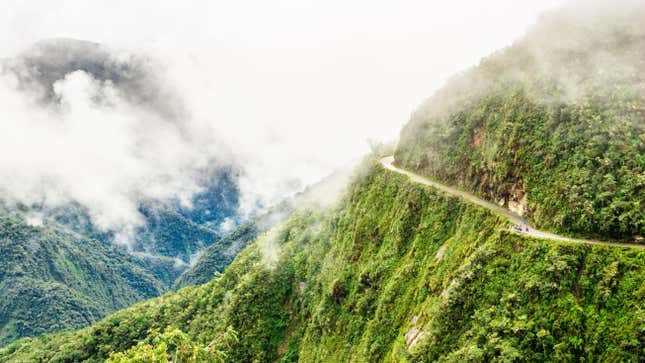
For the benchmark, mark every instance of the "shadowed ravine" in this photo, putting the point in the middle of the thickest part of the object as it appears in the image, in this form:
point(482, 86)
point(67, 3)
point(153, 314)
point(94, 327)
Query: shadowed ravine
point(388, 163)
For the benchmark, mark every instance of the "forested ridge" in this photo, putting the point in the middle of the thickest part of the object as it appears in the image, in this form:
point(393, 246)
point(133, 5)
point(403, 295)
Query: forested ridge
point(61, 267)
point(553, 125)
point(397, 271)
point(394, 272)
point(52, 279)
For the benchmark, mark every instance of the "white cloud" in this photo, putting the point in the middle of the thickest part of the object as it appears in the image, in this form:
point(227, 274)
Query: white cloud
point(292, 88)
point(105, 155)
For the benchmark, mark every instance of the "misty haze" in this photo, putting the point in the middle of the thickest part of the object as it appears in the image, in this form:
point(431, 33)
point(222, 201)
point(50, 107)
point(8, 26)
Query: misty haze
point(300, 181)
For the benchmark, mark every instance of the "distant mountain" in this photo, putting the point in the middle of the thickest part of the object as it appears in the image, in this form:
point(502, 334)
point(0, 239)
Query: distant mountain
point(551, 126)
point(217, 203)
point(52, 278)
point(219, 255)
point(169, 229)
point(50, 60)
point(66, 267)
point(65, 272)
point(138, 81)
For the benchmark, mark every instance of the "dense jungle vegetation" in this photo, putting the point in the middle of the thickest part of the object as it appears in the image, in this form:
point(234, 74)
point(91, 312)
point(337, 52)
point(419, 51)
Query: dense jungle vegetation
point(52, 279)
point(394, 272)
point(219, 255)
point(556, 121)
point(64, 273)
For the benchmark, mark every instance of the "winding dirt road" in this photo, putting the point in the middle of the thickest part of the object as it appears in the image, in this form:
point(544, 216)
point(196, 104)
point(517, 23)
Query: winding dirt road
point(526, 226)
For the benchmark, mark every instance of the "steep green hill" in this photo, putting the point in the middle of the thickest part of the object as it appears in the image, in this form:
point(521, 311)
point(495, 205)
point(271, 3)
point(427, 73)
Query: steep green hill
point(52, 279)
point(395, 272)
point(219, 255)
point(553, 126)
point(43, 289)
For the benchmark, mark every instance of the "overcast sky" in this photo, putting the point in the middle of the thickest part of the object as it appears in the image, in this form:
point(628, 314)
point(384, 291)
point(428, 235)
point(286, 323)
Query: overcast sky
point(297, 86)
point(326, 66)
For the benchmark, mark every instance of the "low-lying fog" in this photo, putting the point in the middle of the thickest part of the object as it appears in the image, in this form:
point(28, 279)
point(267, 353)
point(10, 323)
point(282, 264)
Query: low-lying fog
point(286, 90)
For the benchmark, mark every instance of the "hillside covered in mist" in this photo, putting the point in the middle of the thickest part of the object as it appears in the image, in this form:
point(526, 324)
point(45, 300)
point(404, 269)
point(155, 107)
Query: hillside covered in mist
point(553, 125)
point(73, 251)
point(397, 271)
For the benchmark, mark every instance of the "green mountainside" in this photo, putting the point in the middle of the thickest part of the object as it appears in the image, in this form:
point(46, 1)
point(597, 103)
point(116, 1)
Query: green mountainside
point(53, 279)
point(395, 272)
point(553, 125)
point(68, 273)
point(219, 255)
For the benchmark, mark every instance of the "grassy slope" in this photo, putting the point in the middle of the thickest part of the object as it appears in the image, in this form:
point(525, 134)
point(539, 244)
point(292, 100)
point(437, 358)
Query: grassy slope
point(349, 280)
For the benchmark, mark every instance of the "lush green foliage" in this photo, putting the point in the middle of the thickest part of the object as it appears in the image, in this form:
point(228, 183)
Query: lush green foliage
point(51, 279)
point(167, 233)
point(559, 117)
point(394, 258)
point(175, 346)
point(216, 257)
point(399, 272)
point(68, 274)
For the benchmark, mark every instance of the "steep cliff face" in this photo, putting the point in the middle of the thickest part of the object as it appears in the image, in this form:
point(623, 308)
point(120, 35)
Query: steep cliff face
point(556, 120)
point(394, 272)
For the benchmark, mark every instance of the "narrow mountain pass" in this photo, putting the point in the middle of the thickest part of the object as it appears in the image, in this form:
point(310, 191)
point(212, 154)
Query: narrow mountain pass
point(523, 225)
